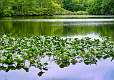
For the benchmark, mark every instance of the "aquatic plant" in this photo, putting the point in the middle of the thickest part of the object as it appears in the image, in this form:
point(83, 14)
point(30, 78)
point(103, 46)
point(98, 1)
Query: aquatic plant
point(37, 51)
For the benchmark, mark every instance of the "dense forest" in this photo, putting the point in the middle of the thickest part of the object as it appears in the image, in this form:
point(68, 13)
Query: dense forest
point(55, 7)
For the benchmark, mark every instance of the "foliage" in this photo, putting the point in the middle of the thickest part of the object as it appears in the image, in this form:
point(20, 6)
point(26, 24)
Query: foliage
point(74, 5)
point(104, 7)
point(82, 13)
point(54, 7)
point(16, 53)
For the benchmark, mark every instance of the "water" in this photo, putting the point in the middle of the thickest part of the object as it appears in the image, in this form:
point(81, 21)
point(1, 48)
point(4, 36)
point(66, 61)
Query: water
point(25, 26)
point(64, 26)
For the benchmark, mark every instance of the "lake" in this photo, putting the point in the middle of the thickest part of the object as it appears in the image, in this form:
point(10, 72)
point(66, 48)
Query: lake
point(72, 26)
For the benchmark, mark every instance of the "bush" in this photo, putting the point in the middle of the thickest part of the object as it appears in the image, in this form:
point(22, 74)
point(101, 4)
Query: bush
point(82, 13)
point(45, 11)
point(7, 11)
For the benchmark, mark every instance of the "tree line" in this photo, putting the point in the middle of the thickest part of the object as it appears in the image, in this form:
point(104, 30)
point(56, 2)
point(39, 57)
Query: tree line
point(55, 7)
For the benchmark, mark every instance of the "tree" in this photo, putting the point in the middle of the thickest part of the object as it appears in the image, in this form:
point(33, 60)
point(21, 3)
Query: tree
point(101, 7)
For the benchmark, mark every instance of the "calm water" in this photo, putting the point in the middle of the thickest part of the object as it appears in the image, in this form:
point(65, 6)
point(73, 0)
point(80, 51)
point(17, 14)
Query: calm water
point(65, 26)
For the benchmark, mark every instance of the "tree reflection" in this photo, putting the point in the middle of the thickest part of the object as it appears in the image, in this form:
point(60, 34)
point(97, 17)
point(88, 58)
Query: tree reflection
point(23, 28)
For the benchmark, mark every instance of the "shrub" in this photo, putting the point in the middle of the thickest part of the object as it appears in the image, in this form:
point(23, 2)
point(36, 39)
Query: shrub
point(82, 13)
point(6, 11)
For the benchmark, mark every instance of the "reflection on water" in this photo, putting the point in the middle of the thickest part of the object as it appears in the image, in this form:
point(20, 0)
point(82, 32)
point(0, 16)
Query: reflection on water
point(90, 35)
point(61, 20)
point(25, 28)
point(84, 16)
point(101, 71)
point(28, 26)
point(104, 70)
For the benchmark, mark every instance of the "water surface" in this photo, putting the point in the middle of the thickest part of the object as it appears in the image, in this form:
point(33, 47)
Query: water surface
point(64, 26)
